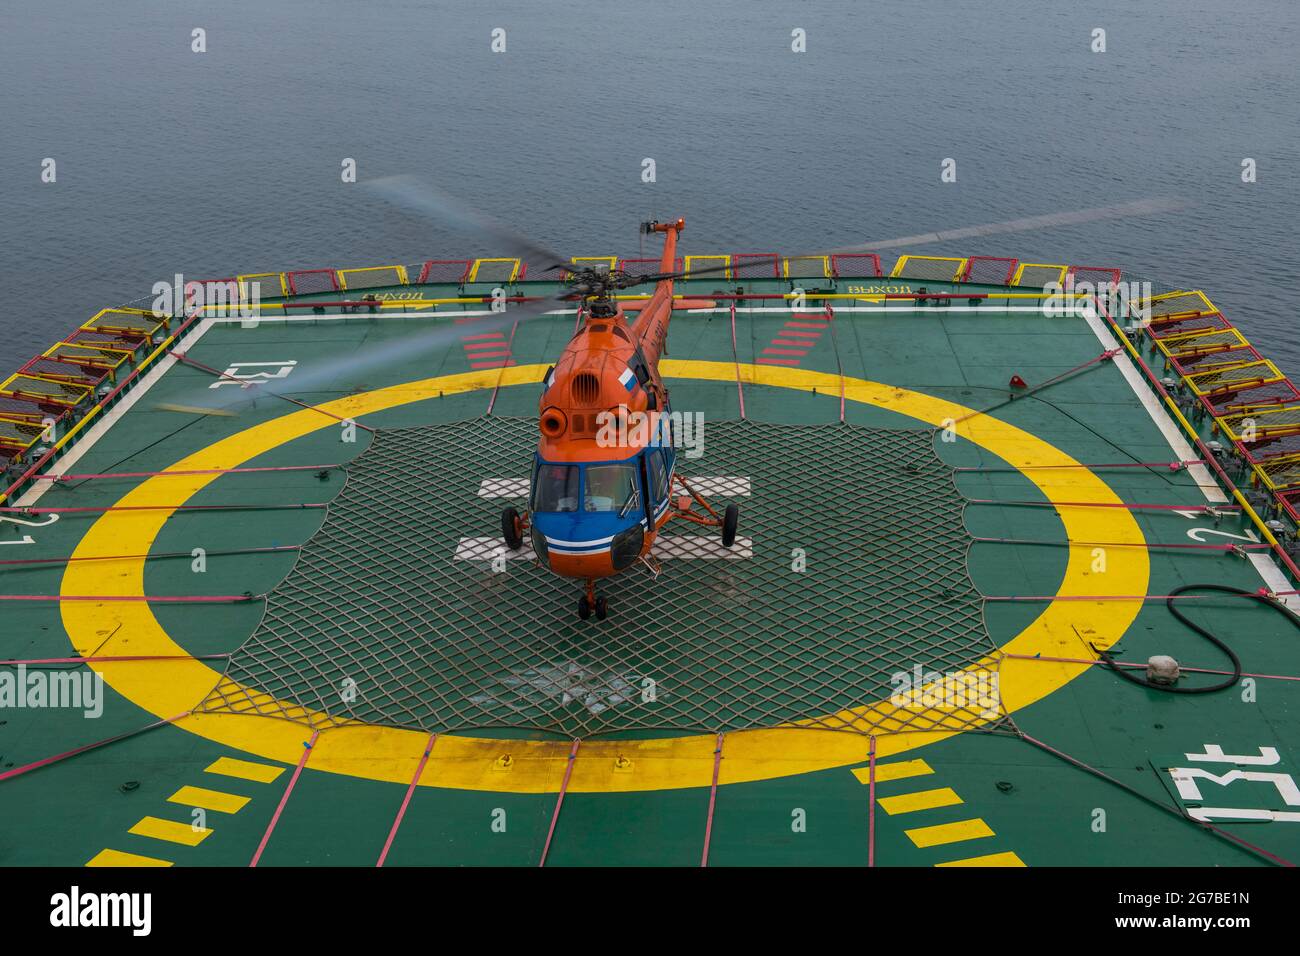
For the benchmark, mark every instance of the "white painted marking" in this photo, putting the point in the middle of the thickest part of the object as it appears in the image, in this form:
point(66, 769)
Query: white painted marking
point(339, 316)
point(1272, 576)
point(1209, 814)
point(279, 370)
point(27, 523)
point(695, 546)
point(1197, 535)
point(111, 417)
point(721, 486)
point(1155, 409)
point(788, 310)
point(1267, 757)
point(504, 487)
point(567, 683)
point(691, 547)
point(1186, 780)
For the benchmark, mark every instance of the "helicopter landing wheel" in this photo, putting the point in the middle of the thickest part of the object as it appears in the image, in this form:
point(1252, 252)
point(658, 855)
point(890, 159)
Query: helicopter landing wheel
point(599, 605)
point(512, 529)
point(730, 518)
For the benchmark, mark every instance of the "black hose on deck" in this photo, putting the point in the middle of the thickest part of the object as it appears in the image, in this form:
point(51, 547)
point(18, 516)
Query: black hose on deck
point(1109, 662)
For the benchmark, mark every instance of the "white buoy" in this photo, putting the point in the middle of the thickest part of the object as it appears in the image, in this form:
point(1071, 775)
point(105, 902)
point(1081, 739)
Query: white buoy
point(1162, 669)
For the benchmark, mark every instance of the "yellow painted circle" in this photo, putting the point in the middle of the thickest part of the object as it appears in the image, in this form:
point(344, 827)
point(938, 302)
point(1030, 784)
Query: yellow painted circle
point(168, 688)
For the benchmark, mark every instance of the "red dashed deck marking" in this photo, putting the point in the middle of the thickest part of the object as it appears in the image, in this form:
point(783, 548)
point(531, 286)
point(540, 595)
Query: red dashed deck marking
point(496, 389)
point(796, 338)
point(488, 350)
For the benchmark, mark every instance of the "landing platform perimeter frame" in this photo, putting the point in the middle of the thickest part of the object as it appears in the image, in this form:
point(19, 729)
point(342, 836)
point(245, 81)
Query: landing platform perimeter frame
point(1081, 460)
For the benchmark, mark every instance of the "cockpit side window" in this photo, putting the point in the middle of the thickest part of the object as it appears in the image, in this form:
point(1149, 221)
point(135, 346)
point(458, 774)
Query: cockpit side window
point(658, 474)
point(556, 488)
point(664, 437)
point(638, 366)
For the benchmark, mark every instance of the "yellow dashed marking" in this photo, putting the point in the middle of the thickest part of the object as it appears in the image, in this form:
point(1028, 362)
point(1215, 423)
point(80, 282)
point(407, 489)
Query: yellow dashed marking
point(921, 800)
point(171, 831)
point(118, 858)
point(896, 770)
point(949, 833)
point(244, 769)
point(208, 799)
point(933, 799)
point(992, 859)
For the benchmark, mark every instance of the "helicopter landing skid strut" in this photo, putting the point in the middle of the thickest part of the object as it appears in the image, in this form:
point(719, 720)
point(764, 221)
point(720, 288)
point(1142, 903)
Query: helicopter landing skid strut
point(683, 508)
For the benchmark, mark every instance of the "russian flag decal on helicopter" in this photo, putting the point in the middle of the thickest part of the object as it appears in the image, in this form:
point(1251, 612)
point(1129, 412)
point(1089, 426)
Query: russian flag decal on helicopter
point(628, 379)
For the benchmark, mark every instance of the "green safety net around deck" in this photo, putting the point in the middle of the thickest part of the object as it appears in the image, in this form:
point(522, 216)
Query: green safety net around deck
point(849, 569)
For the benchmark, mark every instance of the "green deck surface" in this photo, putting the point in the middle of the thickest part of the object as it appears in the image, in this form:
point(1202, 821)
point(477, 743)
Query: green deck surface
point(1031, 804)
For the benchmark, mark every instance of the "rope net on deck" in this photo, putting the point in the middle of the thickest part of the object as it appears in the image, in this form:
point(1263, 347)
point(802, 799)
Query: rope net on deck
point(849, 570)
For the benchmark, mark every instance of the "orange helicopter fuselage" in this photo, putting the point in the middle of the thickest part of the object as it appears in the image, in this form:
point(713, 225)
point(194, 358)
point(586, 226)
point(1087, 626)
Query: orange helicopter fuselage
point(602, 476)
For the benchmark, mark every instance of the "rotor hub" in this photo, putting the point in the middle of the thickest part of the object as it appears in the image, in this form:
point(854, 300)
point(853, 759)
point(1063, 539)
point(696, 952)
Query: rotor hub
point(603, 307)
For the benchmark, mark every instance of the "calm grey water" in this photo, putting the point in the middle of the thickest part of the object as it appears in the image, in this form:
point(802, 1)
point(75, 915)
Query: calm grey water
point(229, 161)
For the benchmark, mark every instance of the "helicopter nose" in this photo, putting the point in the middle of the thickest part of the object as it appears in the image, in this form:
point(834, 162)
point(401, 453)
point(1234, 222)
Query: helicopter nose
point(585, 566)
point(587, 548)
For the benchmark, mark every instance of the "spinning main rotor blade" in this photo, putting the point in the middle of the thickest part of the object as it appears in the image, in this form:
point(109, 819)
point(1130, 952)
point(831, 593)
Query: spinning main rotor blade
point(421, 199)
point(1128, 210)
point(342, 373)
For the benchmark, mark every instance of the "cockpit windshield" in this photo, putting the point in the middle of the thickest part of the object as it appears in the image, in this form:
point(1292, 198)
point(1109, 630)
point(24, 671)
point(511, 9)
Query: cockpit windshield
point(609, 487)
point(556, 488)
point(598, 487)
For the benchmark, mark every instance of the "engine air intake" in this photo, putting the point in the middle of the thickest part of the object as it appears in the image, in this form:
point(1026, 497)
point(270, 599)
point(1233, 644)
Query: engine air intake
point(585, 389)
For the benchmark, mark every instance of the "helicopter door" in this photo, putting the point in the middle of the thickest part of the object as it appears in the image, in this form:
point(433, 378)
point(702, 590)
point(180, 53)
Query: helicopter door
point(658, 484)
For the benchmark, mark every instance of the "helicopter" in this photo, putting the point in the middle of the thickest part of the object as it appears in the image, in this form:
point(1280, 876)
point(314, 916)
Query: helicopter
point(604, 481)
point(596, 506)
